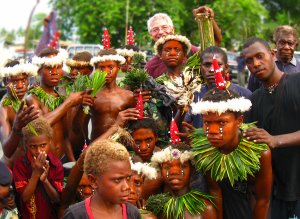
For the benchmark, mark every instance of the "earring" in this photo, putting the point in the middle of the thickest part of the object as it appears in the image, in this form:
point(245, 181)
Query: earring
point(138, 148)
point(207, 130)
point(182, 172)
point(168, 174)
point(221, 131)
point(80, 191)
point(148, 145)
point(93, 191)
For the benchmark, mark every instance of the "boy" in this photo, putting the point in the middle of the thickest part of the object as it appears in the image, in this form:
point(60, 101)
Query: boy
point(230, 163)
point(108, 168)
point(110, 100)
point(51, 104)
point(14, 114)
point(38, 174)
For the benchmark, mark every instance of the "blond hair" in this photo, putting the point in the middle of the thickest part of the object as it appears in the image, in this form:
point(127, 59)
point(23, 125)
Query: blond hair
point(39, 126)
point(100, 153)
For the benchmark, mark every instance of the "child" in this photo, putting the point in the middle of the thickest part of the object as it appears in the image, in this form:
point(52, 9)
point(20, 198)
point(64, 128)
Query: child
point(140, 172)
point(230, 162)
point(178, 200)
point(108, 168)
point(51, 104)
point(38, 174)
point(7, 202)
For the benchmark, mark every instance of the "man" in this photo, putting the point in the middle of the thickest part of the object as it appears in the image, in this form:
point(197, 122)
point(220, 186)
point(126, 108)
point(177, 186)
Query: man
point(51, 104)
point(14, 113)
point(161, 25)
point(286, 41)
point(276, 108)
point(208, 74)
point(110, 100)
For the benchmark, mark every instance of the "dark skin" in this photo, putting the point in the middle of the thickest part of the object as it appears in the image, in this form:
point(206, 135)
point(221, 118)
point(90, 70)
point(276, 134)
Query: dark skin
point(103, 203)
point(286, 44)
point(227, 142)
point(260, 62)
point(177, 185)
point(11, 122)
point(50, 77)
point(173, 56)
point(108, 102)
point(37, 147)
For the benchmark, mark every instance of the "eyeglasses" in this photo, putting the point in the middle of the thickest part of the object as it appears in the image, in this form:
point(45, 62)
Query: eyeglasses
point(284, 42)
point(164, 28)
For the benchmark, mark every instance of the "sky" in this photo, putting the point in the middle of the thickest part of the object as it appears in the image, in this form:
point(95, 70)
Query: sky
point(15, 13)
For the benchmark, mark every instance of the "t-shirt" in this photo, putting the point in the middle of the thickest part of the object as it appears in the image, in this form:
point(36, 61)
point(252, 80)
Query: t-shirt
point(196, 120)
point(279, 113)
point(82, 210)
point(22, 173)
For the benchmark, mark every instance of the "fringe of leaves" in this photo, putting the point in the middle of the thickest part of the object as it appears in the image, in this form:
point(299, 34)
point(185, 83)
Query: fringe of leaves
point(174, 207)
point(48, 100)
point(135, 78)
point(235, 166)
point(6, 101)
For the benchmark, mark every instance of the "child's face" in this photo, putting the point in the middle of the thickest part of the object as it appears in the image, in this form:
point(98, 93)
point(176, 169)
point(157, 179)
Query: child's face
point(113, 184)
point(83, 70)
point(172, 53)
point(84, 187)
point(20, 84)
point(175, 174)
point(136, 187)
point(37, 144)
point(51, 76)
point(145, 141)
point(111, 68)
point(222, 129)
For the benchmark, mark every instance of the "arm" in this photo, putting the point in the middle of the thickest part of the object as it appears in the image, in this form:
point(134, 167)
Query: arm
point(55, 115)
point(210, 13)
point(259, 135)
point(263, 186)
point(74, 178)
point(11, 141)
point(216, 191)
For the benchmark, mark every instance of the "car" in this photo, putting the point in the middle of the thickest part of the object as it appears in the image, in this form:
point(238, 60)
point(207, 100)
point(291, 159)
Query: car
point(297, 55)
point(91, 48)
point(233, 65)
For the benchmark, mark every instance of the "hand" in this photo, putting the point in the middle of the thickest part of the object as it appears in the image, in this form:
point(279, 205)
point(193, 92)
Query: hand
point(259, 135)
point(206, 10)
point(125, 115)
point(24, 116)
point(188, 128)
point(10, 204)
point(38, 164)
point(75, 98)
point(145, 93)
point(44, 175)
point(87, 99)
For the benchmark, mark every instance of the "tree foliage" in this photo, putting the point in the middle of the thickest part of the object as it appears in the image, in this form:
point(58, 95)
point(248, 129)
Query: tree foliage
point(238, 19)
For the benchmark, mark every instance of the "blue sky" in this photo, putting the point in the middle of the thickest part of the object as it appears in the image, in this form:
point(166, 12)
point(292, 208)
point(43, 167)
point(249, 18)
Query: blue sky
point(15, 13)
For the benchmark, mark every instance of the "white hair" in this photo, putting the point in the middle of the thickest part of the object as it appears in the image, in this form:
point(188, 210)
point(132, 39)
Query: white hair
point(162, 16)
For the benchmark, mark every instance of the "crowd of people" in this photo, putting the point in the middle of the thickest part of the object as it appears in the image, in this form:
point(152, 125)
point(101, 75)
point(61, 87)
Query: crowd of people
point(173, 139)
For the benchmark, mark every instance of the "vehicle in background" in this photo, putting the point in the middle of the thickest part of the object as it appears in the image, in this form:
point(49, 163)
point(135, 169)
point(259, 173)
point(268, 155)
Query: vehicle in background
point(91, 48)
point(297, 55)
point(233, 66)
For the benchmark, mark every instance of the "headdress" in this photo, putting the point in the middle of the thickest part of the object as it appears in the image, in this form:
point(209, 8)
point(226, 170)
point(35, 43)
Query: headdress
point(144, 169)
point(105, 39)
point(107, 55)
point(239, 104)
point(80, 59)
point(51, 61)
point(168, 154)
point(27, 68)
point(179, 38)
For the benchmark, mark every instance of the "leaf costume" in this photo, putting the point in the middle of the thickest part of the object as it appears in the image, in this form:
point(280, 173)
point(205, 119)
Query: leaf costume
point(235, 166)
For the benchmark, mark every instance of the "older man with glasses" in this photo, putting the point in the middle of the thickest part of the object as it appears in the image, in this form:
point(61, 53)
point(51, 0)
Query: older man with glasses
point(160, 25)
